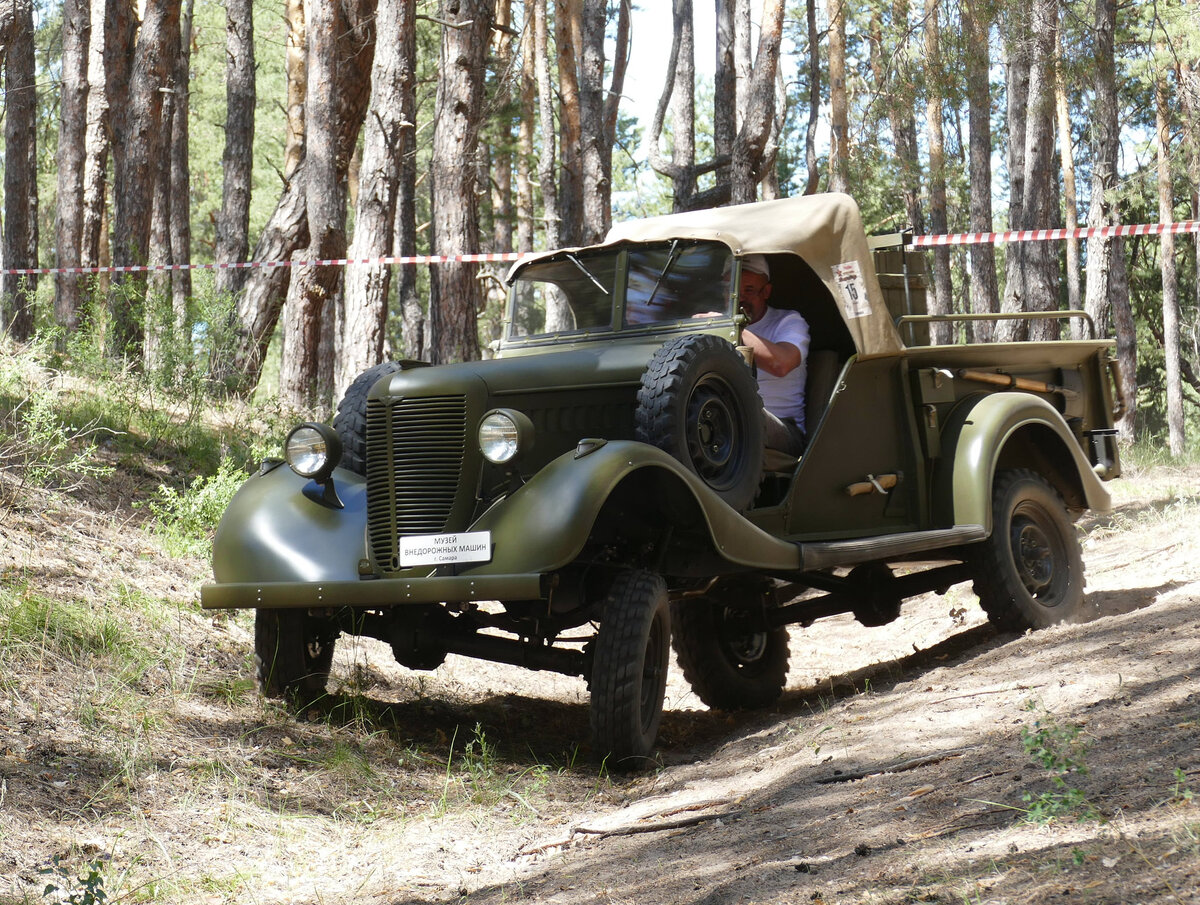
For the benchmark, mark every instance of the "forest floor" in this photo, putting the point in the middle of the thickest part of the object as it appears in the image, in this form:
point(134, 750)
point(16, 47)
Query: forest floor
point(137, 761)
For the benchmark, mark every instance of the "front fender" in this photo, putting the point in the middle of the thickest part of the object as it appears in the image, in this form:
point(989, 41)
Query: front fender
point(274, 531)
point(545, 524)
point(1003, 430)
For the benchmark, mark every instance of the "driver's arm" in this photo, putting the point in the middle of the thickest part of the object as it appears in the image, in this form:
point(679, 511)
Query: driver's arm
point(777, 359)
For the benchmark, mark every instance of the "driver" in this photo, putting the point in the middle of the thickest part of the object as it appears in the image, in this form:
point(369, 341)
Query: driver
point(779, 338)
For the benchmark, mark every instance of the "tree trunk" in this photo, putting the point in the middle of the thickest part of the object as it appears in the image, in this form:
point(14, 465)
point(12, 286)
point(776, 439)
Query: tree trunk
point(233, 223)
point(459, 110)
point(526, 98)
point(546, 170)
point(894, 84)
point(1066, 158)
point(297, 84)
point(157, 322)
point(181, 190)
point(678, 94)
point(386, 138)
point(725, 84)
point(745, 170)
point(568, 34)
point(595, 188)
point(1107, 281)
point(341, 43)
point(941, 301)
point(812, 183)
point(135, 165)
point(1041, 205)
point(984, 290)
point(1177, 438)
point(839, 150)
point(414, 325)
point(93, 242)
point(1017, 66)
point(20, 174)
point(258, 308)
point(72, 133)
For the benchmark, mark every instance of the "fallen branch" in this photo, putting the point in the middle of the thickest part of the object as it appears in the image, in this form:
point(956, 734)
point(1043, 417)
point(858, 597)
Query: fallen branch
point(913, 764)
point(630, 829)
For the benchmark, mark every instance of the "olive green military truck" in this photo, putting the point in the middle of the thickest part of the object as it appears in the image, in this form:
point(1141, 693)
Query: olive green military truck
point(600, 489)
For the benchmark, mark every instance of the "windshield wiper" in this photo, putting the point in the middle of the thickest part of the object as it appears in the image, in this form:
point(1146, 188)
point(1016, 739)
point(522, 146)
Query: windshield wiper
point(587, 273)
point(672, 257)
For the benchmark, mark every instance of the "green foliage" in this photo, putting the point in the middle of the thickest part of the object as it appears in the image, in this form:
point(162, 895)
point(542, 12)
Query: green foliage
point(1059, 750)
point(185, 520)
point(64, 886)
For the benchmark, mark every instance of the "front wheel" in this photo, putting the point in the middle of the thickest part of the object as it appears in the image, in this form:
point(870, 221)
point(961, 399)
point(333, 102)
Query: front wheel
point(292, 653)
point(629, 668)
point(1029, 573)
point(731, 663)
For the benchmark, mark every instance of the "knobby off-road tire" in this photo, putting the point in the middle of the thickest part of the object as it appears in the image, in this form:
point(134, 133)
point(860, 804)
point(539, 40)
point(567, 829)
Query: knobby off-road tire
point(292, 655)
point(629, 668)
point(1029, 573)
point(699, 403)
point(350, 422)
point(729, 663)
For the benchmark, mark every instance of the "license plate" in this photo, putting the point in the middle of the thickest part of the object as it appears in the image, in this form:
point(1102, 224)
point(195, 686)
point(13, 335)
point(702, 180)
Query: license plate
point(445, 549)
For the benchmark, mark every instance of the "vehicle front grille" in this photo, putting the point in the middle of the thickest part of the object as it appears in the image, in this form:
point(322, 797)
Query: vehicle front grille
point(415, 452)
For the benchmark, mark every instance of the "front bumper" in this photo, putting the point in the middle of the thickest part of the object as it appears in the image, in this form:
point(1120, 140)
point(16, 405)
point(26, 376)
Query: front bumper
point(369, 593)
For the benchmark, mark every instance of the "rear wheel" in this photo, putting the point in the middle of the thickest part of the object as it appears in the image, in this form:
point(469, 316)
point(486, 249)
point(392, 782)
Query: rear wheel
point(629, 668)
point(292, 653)
point(731, 662)
point(1029, 573)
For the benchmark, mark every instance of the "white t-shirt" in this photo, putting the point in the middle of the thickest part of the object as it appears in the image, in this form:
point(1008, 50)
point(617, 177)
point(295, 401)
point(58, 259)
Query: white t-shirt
point(783, 396)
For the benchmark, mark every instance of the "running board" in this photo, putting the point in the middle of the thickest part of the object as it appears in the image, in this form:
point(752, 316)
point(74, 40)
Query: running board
point(814, 557)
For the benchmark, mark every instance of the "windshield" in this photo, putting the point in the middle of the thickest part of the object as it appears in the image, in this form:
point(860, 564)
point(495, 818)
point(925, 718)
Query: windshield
point(664, 282)
point(676, 282)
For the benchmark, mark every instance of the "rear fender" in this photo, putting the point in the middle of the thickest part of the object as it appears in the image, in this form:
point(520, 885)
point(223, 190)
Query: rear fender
point(1008, 430)
point(545, 524)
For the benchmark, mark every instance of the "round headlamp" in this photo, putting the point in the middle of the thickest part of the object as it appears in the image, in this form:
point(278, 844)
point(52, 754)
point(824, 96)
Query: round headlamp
point(313, 450)
point(503, 435)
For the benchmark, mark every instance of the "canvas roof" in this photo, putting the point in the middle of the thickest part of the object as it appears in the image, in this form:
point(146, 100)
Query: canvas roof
point(825, 230)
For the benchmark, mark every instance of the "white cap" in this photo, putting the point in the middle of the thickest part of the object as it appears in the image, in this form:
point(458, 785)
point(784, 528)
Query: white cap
point(756, 264)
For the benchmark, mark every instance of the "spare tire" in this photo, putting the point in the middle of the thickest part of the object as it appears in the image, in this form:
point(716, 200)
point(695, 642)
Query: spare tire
point(350, 422)
point(699, 403)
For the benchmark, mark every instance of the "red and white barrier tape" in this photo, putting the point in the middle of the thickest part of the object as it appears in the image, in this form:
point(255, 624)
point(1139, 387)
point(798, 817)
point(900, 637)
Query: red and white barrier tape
point(1024, 235)
point(327, 262)
point(1045, 235)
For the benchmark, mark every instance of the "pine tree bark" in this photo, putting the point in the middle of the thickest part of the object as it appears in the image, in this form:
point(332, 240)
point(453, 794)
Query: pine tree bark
point(20, 173)
point(1066, 159)
point(258, 309)
point(233, 223)
point(984, 289)
point(812, 183)
point(1107, 281)
point(135, 166)
point(894, 85)
point(547, 173)
point(459, 110)
point(748, 149)
point(1017, 67)
point(679, 95)
point(1041, 204)
point(526, 128)
point(72, 134)
point(181, 191)
point(341, 44)
point(93, 244)
point(297, 84)
point(839, 151)
point(387, 138)
point(568, 36)
point(940, 302)
point(1176, 436)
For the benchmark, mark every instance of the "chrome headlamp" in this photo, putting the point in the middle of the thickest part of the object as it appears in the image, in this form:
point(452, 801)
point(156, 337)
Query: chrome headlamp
point(504, 434)
point(313, 451)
